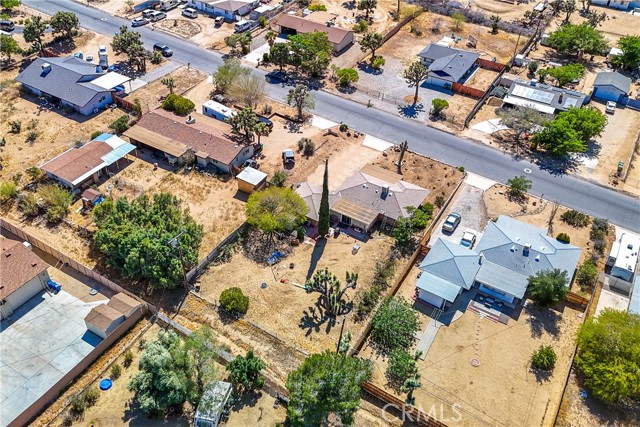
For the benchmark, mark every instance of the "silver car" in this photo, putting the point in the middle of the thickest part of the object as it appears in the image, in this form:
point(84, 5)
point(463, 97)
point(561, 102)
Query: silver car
point(452, 222)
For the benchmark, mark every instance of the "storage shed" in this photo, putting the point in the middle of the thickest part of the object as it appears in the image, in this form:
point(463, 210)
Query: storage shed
point(250, 180)
point(611, 86)
point(103, 319)
point(212, 404)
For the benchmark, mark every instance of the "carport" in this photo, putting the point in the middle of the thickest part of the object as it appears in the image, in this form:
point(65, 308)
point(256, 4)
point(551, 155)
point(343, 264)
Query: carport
point(355, 215)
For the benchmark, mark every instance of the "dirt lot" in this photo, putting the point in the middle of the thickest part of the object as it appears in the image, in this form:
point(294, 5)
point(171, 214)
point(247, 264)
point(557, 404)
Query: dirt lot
point(505, 9)
point(150, 95)
point(382, 21)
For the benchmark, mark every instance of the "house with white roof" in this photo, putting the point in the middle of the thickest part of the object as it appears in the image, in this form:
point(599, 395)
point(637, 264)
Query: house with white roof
point(509, 252)
point(543, 98)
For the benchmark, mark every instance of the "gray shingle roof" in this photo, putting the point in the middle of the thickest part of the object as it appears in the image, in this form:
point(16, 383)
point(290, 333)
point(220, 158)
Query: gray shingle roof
point(69, 79)
point(615, 79)
point(448, 63)
point(452, 262)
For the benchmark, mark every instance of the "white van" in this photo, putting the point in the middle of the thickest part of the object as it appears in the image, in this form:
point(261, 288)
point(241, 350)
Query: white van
point(190, 13)
point(157, 16)
point(243, 25)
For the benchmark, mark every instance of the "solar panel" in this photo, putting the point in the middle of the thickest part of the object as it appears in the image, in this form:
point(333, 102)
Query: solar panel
point(533, 94)
point(570, 102)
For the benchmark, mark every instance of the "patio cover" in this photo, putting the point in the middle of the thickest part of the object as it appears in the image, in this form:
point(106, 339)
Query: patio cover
point(503, 279)
point(529, 104)
point(354, 211)
point(438, 286)
point(110, 80)
point(157, 141)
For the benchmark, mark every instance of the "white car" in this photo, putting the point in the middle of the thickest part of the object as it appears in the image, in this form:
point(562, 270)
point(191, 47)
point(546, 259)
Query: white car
point(468, 239)
point(190, 13)
point(138, 22)
point(611, 107)
point(102, 50)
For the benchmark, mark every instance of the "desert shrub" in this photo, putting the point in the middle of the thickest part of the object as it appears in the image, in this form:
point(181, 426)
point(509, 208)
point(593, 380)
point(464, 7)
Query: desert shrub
point(343, 127)
point(361, 26)
point(267, 109)
point(416, 31)
point(121, 124)
point(128, 358)
point(439, 201)
point(461, 169)
point(309, 148)
point(368, 299)
point(301, 233)
point(16, 126)
point(318, 7)
point(234, 300)
point(8, 191)
point(78, 405)
point(262, 21)
point(598, 234)
point(575, 218)
point(28, 205)
point(563, 237)
point(394, 325)
point(91, 395)
point(421, 216)
point(378, 62)
point(116, 371)
point(32, 136)
point(279, 178)
point(55, 214)
point(347, 76)
point(544, 358)
point(302, 142)
point(587, 274)
point(178, 104)
point(96, 134)
point(156, 57)
point(56, 200)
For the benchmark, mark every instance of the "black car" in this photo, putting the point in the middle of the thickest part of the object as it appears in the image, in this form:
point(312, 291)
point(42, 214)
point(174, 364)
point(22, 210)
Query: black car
point(265, 121)
point(163, 48)
point(277, 77)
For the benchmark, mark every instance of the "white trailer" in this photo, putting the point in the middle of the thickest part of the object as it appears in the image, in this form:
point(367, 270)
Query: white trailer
point(166, 5)
point(217, 111)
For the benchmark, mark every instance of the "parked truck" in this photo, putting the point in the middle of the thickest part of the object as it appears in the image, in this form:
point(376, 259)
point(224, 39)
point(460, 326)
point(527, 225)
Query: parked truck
point(166, 5)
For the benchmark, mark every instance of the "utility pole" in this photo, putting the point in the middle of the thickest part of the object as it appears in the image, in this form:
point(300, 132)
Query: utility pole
point(176, 244)
point(341, 332)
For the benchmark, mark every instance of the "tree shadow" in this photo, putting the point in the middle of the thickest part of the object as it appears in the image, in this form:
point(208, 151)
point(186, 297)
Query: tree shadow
point(318, 250)
point(411, 111)
point(313, 318)
point(543, 320)
point(541, 376)
point(556, 165)
point(349, 5)
point(249, 398)
point(346, 89)
point(366, 67)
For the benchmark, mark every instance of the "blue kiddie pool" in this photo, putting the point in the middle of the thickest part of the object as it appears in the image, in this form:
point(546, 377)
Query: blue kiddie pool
point(106, 384)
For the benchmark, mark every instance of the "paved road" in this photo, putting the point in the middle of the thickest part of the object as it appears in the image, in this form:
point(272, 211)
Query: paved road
point(588, 197)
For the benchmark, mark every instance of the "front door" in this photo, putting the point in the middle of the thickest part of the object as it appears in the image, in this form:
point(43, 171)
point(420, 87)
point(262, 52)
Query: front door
point(346, 220)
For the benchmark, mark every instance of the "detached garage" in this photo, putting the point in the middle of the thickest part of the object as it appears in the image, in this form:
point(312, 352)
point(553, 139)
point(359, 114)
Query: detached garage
point(611, 86)
point(250, 180)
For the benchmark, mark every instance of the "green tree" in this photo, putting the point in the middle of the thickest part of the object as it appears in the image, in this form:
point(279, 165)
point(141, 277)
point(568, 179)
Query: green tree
point(279, 178)
point(8, 46)
point(559, 138)
point(403, 235)
point(244, 372)
point(170, 83)
point(178, 104)
point(371, 42)
point(367, 6)
point(458, 20)
point(577, 40)
point(420, 216)
point(630, 58)
point(415, 74)
point(588, 122)
point(247, 89)
point(8, 191)
point(201, 350)
point(393, 326)
point(279, 55)
point(595, 19)
point(331, 291)
point(134, 236)
point(244, 123)
point(439, 105)
point(164, 380)
point(544, 358)
point(262, 129)
point(566, 73)
point(495, 23)
point(240, 43)
point(401, 366)
point(521, 120)
point(275, 210)
point(311, 52)
point(587, 274)
point(302, 99)
point(233, 300)
point(323, 212)
point(65, 23)
point(9, 4)
point(325, 385)
point(347, 76)
point(548, 287)
point(227, 73)
point(34, 173)
point(609, 355)
point(120, 125)
point(270, 36)
point(130, 43)
point(33, 32)
point(518, 187)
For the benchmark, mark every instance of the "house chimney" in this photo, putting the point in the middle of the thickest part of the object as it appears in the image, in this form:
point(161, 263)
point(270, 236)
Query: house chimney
point(385, 191)
point(526, 249)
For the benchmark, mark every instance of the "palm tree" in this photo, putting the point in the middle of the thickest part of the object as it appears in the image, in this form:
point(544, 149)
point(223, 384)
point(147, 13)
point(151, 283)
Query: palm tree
point(270, 37)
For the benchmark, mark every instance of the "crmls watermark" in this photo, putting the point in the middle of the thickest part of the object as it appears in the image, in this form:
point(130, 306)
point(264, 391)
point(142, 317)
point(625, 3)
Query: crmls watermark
point(408, 413)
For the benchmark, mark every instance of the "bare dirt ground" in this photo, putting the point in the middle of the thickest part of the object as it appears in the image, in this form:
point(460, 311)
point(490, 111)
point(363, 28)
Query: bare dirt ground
point(538, 215)
point(482, 79)
point(382, 21)
point(286, 309)
point(151, 95)
point(257, 410)
point(632, 183)
point(505, 9)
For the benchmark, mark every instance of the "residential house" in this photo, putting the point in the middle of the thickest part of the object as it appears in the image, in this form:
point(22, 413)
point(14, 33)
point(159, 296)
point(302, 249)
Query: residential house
point(611, 86)
point(212, 404)
point(23, 275)
point(623, 257)
point(508, 253)
point(543, 98)
point(79, 167)
point(186, 143)
point(370, 195)
point(71, 82)
point(448, 65)
point(231, 10)
point(634, 298)
point(617, 4)
point(339, 38)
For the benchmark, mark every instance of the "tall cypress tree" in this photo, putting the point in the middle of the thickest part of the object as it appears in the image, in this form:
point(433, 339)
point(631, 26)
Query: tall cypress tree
point(323, 214)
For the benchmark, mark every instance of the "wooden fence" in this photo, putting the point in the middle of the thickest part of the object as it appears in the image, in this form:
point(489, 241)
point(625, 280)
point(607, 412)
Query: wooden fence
point(471, 92)
point(398, 26)
point(211, 256)
point(490, 65)
point(127, 105)
point(577, 300)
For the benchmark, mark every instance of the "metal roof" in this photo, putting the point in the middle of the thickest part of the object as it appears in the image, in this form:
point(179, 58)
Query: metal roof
point(503, 279)
point(541, 97)
point(252, 176)
point(355, 211)
point(110, 80)
point(213, 401)
point(438, 286)
point(615, 79)
point(634, 302)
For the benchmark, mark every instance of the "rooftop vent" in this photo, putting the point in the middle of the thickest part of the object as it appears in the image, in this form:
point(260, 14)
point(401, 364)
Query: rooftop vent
point(537, 258)
point(513, 248)
point(481, 258)
point(526, 249)
point(46, 67)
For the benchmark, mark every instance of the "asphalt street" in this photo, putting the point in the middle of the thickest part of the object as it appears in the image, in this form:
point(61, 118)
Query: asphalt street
point(569, 190)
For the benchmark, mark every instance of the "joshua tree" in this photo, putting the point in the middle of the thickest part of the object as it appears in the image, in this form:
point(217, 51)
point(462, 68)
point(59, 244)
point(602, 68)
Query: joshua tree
point(170, 83)
point(331, 290)
point(403, 148)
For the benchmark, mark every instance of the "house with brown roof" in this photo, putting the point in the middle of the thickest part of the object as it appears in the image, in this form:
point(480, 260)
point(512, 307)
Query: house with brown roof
point(79, 167)
point(103, 319)
point(370, 195)
point(23, 275)
point(339, 38)
point(186, 143)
